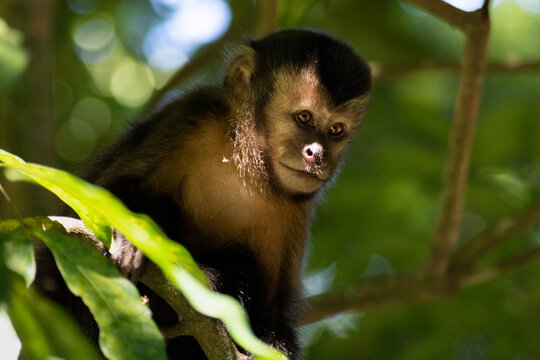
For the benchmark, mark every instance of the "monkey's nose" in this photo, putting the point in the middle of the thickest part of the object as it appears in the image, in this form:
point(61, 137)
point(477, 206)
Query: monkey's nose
point(313, 153)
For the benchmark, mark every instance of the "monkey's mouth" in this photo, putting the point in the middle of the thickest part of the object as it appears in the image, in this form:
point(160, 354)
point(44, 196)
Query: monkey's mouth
point(314, 174)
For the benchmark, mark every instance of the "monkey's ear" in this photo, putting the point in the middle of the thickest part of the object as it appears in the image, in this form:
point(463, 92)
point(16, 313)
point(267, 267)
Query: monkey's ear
point(357, 106)
point(241, 68)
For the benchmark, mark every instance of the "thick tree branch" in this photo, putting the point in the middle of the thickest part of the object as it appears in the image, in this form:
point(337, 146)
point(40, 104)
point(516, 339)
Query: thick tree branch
point(465, 114)
point(367, 295)
point(209, 333)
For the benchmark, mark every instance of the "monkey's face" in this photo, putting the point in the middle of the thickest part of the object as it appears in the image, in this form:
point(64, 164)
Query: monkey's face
point(306, 132)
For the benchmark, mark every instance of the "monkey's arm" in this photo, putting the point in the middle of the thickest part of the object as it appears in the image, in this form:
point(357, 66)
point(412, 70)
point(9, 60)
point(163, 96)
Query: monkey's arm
point(128, 259)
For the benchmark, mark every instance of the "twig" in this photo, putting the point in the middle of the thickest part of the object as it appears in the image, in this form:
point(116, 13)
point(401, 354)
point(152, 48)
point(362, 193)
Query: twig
point(404, 290)
point(501, 268)
point(367, 295)
point(12, 206)
point(494, 235)
point(465, 114)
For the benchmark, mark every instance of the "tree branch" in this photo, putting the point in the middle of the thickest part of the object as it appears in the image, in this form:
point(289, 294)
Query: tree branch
point(209, 333)
point(495, 235)
point(501, 268)
point(367, 295)
point(465, 114)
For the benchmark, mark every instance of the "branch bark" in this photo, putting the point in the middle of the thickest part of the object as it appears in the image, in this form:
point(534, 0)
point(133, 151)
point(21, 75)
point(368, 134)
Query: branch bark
point(209, 333)
point(416, 288)
point(461, 136)
point(495, 235)
point(367, 295)
point(501, 268)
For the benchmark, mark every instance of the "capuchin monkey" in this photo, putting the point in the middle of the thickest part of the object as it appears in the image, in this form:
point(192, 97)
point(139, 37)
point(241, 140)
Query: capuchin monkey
point(232, 172)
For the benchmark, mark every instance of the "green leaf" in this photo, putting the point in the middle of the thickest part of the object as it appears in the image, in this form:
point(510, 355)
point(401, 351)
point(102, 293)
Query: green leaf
point(45, 329)
point(173, 259)
point(126, 327)
point(10, 159)
point(18, 253)
point(68, 188)
point(42, 327)
point(227, 309)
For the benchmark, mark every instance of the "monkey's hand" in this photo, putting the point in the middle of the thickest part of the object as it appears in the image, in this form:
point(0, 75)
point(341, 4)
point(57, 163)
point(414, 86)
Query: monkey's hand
point(128, 259)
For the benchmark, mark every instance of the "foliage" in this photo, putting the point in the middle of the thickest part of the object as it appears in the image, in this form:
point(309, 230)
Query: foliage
point(386, 202)
point(126, 328)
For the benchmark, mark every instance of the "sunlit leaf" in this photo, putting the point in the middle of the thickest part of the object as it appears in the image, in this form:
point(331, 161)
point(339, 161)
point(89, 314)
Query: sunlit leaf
point(18, 253)
point(45, 329)
point(173, 259)
point(126, 327)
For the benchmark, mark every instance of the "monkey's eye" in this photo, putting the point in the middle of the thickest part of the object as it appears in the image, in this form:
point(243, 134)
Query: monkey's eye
point(304, 118)
point(336, 130)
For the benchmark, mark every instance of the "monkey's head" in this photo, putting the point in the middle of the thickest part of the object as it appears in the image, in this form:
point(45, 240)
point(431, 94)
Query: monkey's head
point(304, 94)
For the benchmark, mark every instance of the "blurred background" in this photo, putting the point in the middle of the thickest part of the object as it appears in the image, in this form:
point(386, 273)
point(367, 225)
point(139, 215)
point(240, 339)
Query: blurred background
point(74, 73)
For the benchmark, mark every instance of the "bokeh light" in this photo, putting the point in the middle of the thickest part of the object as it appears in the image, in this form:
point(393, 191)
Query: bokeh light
point(95, 112)
point(132, 83)
point(67, 144)
point(161, 52)
point(94, 40)
point(529, 5)
point(466, 5)
point(82, 6)
point(187, 25)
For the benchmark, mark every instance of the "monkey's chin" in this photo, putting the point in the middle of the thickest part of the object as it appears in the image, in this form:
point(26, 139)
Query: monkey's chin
point(297, 181)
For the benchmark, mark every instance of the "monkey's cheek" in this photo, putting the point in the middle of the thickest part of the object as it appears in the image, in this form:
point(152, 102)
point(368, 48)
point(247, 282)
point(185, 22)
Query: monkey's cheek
point(297, 182)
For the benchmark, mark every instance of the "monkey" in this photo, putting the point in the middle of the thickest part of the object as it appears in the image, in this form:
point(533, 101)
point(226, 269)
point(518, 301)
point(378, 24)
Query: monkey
point(233, 171)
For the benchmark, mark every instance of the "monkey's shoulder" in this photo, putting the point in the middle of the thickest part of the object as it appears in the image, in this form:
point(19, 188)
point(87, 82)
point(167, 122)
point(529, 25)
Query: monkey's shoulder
point(181, 126)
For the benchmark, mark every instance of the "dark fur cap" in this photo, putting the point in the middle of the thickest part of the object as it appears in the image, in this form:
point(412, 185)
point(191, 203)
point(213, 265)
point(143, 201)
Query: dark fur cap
point(344, 74)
